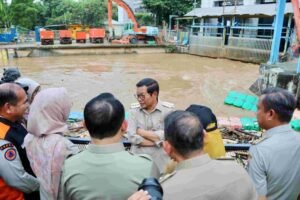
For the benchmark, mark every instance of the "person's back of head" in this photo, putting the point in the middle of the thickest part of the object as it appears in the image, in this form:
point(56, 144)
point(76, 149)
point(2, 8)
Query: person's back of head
point(282, 102)
point(184, 132)
point(103, 116)
point(105, 95)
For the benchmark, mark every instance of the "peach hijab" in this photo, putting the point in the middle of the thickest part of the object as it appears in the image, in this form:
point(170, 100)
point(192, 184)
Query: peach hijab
point(45, 145)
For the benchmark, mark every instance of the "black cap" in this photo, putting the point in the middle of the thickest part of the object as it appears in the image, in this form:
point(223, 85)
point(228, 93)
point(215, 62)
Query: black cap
point(10, 74)
point(205, 115)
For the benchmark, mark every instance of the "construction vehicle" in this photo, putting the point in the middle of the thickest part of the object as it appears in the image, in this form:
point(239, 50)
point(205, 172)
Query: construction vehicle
point(65, 37)
point(47, 37)
point(97, 35)
point(133, 33)
point(77, 27)
point(80, 37)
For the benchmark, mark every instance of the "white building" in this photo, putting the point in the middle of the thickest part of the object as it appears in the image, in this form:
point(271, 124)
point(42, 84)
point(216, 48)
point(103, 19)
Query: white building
point(221, 3)
point(237, 29)
point(135, 5)
point(245, 12)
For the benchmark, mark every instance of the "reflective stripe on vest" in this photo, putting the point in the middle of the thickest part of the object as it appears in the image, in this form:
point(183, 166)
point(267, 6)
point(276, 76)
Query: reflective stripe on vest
point(3, 130)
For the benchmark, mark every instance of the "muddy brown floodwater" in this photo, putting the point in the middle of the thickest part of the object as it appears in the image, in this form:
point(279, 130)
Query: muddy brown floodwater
point(184, 79)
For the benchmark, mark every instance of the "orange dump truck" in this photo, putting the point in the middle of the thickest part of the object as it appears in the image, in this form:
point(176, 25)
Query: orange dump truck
point(47, 37)
point(65, 37)
point(80, 37)
point(97, 35)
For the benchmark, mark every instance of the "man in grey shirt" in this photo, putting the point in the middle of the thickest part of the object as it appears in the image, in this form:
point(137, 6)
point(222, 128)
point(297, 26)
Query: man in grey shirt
point(274, 165)
point(197, 176)
point(145, 122)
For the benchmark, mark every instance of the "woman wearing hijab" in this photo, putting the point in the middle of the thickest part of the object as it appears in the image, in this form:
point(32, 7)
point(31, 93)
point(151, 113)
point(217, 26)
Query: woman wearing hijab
point(45, 144)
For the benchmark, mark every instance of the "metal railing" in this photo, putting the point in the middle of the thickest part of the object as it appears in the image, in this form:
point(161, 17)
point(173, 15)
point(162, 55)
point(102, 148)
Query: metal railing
point(248, 43)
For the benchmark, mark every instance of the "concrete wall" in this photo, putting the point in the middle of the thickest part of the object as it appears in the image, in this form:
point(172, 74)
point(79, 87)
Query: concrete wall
point(206, 46)
point(249, 2)
point(104, 50)
point(207, 3)
point(245, 49)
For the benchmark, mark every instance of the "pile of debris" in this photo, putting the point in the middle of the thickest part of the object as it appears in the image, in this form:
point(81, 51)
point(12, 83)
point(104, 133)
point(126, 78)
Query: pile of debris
point(76, 129)
point(239, 136)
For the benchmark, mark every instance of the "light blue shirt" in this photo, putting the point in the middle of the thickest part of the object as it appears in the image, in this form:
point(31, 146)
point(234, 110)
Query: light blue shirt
point(275, 164)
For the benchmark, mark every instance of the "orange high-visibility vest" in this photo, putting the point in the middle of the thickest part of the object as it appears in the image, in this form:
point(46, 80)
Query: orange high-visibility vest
point(9, 193)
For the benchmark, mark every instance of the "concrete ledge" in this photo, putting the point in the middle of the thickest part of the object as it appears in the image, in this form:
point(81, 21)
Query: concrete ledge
point(92, 51)
point(79, 49)
point(78, 46)
point(277, 76)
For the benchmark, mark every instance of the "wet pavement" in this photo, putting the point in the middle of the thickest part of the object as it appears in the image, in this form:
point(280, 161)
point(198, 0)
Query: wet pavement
point(184, 79)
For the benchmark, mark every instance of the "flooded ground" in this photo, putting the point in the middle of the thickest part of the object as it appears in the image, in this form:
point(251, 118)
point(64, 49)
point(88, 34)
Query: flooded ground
point(184, 79)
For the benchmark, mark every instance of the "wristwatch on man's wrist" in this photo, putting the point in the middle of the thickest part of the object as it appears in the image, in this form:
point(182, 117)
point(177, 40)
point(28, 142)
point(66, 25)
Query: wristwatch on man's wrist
point(158, 143)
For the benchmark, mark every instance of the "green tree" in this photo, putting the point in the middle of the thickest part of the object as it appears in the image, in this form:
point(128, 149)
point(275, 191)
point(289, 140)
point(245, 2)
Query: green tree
point(41, 19)
point(61, 13)
point(93, 12)
point(145, 19)
point(50, 8)
point(24, 13)
point(163, 8)
point(5, 17)
point(86, 12)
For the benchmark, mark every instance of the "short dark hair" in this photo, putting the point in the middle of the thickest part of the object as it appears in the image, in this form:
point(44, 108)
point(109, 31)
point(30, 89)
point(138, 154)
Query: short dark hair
point(8, 94)
point(184, 131)
point(151, 84)
point(281, 101)
point(105, 95)
point(104, 116)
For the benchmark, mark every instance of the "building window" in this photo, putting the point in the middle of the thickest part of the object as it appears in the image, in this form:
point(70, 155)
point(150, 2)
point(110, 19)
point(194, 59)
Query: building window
point(267, 1)
point(221, 3)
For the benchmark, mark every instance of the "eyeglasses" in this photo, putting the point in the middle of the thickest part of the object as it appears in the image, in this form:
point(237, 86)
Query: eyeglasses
point(140, 96)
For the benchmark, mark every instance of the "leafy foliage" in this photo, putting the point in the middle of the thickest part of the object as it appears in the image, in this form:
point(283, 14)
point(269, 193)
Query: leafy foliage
point(24, 13)
point(163, 8)
point(145, 19)
point(5, 18)
point(86, 12)
point(30, 13)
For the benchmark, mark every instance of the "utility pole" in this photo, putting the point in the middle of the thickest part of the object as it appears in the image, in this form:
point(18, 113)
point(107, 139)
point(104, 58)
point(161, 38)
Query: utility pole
point(194, 7)
point(278, 23)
